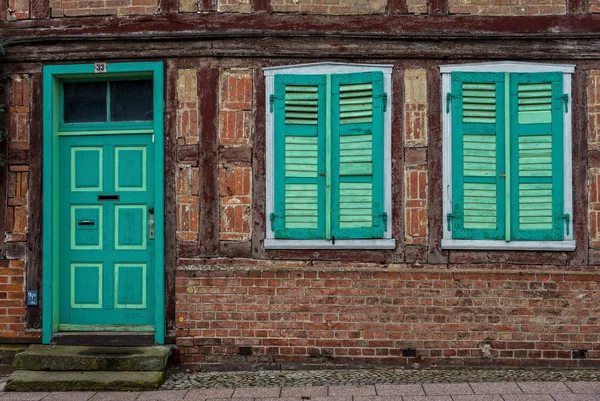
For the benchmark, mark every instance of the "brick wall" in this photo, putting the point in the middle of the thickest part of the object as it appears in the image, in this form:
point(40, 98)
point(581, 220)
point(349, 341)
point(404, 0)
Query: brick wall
point(235, 132)
point(330, 6)
point(321, 315)
point(77, 8)
point(514, 7)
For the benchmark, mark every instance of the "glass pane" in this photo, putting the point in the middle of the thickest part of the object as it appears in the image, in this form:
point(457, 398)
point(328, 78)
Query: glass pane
point(131, 101)
point(84, 102)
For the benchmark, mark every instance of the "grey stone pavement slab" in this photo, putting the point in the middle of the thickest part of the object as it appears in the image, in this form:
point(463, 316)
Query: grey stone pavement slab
point(357, 385)
point(306, 391)
point(478, 397)
point(427, 398)
point(544, 388)
point(496, 388)
point(351, 390)
point(115, 396)
point(447, 389)
point(399, 389)
point(584, 387)
point(70, 396)
point(257, 392)
point(205, 393)
point(576, 397)
point(23, 396)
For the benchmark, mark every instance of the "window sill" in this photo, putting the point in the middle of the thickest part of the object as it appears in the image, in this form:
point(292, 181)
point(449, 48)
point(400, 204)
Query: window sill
point(568, 245)
point(386, 243)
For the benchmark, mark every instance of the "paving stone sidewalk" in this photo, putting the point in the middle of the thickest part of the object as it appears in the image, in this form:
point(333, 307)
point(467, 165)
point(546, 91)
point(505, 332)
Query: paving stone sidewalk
point(356, 385)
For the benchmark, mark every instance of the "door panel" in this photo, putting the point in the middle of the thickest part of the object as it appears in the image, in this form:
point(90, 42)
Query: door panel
point(106, 273)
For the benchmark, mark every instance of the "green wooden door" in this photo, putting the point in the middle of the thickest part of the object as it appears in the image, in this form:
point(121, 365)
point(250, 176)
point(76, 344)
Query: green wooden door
point(106, 210)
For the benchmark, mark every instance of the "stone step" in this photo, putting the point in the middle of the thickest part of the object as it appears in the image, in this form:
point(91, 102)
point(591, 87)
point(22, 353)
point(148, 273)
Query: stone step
point(28, 380)
point(7, 356)
point(83, 358)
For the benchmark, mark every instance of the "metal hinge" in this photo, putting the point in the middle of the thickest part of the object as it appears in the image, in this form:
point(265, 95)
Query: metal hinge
point(567, 218)
point(449, 97)
point(455, 215)
point(384, 217)
point(273, 216)
point(384, 99)
point(565, 98)
point(271, 104)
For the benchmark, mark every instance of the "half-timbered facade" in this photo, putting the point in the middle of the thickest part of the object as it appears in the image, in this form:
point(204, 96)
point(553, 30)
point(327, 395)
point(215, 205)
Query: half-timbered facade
point(284, 182)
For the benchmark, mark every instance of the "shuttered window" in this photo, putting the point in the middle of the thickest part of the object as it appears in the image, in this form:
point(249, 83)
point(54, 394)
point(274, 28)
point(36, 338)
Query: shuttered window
point(328, 156)
point(507, 156)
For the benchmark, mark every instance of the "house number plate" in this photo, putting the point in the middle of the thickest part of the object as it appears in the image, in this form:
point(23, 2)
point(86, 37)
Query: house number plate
point(99, 68)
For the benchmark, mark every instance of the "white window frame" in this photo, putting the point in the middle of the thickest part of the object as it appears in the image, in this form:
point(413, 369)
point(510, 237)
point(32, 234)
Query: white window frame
point(387, 242)
point(568, 243)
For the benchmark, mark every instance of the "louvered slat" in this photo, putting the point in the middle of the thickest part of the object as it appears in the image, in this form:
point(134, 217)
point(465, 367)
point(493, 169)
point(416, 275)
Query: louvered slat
point(301, 105)
point(356, 103)
point(355, 204)
point(480, 204)
point(479, 103)
point(535, 199)
point(535, 103)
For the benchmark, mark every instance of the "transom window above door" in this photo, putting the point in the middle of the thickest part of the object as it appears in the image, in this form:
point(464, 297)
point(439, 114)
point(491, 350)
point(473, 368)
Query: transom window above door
point(97, 103)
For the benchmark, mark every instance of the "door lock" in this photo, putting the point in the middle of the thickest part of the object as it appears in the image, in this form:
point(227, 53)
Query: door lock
point(151, 222)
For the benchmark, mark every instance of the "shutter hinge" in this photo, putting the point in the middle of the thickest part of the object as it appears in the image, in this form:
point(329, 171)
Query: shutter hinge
point(449, 97)
point(271, 103)
point(273, 216)
point(565, 99)
point(384, 99)
point(567, 218)
point(455, 215)
point(384, 217)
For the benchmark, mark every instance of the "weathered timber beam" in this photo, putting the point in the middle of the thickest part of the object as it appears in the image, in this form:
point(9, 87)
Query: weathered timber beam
point(316, 48)
point(274, 24)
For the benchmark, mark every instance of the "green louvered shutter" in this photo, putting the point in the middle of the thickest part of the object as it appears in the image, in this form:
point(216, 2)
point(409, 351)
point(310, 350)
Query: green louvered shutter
point(536, 112)
point(357, 108)
point(478, 184)
point(300, 185)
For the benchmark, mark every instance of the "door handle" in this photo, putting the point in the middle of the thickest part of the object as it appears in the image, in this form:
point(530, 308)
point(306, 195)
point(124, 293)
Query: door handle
point(151, 222)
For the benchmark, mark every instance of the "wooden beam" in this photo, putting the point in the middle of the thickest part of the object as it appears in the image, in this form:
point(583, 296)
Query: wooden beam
point(579, 220)
point(40, 9)
point(34, 241)
point(438, 7)
point(169, 6)
point(170, 133)
point(539, 49)
point(258, 166)
point(208, 218)
point(238, 25)
point(208, 5)
point(397, 7)
point(577, 6)
point(260, 6)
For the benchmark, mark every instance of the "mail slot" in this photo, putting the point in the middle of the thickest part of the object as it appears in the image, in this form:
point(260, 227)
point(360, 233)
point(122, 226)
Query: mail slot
point(85, 223)
point(108, 197)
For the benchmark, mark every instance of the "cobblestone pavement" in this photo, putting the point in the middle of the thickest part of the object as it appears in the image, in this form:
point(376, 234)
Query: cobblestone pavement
point(180, 379)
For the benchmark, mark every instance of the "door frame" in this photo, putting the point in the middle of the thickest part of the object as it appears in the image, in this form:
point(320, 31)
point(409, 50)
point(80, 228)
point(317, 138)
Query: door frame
point(52, 76)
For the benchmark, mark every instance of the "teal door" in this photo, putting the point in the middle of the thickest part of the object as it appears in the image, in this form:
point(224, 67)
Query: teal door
point(106, 216)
